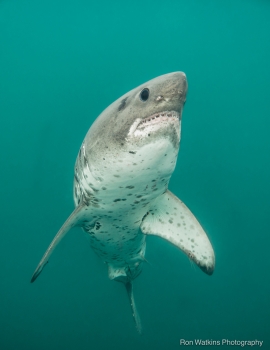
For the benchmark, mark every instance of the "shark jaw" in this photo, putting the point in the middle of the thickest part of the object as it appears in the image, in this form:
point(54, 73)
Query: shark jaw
point(142, 126)
point(159, 117)
point(158, 126)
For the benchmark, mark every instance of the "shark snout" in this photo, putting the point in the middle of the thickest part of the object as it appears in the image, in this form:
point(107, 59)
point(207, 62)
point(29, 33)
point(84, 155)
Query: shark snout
point(179, 91)
point(173, 90)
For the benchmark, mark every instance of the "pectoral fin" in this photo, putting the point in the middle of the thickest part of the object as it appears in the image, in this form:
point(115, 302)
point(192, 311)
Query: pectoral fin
point(170, 219)
point(72, 221)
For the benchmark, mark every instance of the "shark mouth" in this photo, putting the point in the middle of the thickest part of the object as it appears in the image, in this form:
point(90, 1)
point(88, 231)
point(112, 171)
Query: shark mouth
point(155, 119)
point(162, 117)
point(158, 117)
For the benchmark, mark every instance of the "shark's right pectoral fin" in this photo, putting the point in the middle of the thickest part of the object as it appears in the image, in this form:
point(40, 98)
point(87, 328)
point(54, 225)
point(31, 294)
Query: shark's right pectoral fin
point(170, 219)
point(73, 220)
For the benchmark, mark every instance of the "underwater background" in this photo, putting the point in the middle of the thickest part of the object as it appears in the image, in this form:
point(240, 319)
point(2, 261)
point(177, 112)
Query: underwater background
point(61, 64)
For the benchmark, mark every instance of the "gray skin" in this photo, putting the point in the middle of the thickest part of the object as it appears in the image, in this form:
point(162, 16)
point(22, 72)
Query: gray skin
point(120, 183)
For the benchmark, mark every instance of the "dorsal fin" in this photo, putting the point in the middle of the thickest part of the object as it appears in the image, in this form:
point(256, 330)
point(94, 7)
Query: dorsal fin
point(72, 220)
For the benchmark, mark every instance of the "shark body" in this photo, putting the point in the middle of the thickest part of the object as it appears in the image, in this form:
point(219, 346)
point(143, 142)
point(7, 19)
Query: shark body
point(121, 182)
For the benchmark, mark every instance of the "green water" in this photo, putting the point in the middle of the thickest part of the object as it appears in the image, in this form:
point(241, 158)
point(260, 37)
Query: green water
point(61, 64)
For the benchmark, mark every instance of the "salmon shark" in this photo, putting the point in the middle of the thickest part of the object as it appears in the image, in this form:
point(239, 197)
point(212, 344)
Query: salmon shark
point(121, 179)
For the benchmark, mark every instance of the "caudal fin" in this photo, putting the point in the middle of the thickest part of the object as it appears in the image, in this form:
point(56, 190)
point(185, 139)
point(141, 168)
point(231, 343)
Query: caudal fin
point(129, 288)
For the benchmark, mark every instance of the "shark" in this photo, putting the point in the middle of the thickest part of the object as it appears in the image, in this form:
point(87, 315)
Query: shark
point(121, 179)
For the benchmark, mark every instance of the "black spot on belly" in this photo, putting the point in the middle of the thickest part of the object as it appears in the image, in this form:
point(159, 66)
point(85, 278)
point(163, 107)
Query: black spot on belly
point(130, 187)
point(98, 225)
point(145, 215)
point(132, 152)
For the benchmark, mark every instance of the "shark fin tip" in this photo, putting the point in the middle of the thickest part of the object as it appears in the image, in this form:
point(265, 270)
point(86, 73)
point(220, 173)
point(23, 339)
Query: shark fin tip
point(38, 272)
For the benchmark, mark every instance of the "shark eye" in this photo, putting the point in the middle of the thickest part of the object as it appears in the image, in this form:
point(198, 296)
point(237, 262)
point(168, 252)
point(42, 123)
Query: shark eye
point(144, 94)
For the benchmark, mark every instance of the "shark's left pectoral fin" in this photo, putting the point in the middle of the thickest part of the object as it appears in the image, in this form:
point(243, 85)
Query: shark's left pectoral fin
point(72, 220)
point(170, 219)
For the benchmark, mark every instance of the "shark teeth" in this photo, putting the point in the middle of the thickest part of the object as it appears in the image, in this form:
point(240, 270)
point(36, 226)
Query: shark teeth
point(157, 117)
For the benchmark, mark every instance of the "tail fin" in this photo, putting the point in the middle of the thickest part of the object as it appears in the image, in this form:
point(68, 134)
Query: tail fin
point(129, 288)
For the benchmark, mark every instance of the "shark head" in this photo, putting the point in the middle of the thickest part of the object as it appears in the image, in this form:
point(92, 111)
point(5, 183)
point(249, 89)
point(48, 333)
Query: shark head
point(146, 120)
